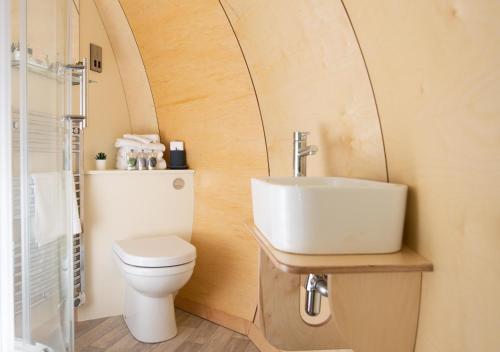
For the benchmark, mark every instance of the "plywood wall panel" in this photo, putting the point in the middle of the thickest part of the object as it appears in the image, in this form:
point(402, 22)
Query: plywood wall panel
point(204, 96)
point(309, 75)
point(435, 67)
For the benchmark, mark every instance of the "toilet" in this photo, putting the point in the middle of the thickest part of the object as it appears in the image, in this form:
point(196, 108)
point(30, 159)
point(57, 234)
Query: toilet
point(154, 269)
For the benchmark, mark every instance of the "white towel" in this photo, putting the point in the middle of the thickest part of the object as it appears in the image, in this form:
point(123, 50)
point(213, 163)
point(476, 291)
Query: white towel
point(128, 143)
point(154, 137)
point(161, 164)
point(50, 218)
point(141, 139)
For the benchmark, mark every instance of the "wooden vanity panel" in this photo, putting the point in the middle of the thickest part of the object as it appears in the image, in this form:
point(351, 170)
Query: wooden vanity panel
point(374, 300)
point(279, 314)
point(377, 312)
point(405, 260)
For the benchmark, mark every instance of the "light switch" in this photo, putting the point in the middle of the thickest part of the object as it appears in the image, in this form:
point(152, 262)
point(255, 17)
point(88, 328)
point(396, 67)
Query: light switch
point(95, 58)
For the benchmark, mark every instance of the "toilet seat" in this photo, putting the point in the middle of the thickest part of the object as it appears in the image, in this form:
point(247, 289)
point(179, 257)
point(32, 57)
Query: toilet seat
point(155, 252)
point(159, 272)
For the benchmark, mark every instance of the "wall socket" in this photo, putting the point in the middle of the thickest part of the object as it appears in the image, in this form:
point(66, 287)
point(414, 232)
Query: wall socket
point(95, 58)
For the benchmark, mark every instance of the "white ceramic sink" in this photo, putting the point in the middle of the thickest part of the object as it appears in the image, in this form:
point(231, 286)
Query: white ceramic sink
point(329, 215)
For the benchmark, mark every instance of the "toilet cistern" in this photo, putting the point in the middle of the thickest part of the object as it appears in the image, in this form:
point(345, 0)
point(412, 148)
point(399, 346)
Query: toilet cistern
point(300, 153)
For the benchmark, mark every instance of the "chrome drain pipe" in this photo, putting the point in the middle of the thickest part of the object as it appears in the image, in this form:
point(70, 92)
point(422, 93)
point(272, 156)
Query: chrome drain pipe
point(316, 286)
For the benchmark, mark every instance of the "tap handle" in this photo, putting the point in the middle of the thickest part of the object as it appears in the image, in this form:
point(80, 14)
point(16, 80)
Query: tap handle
point(300, 136)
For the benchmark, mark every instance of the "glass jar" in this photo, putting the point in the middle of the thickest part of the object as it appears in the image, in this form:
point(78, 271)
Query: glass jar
point(152, 160)
point(131, 160)
point(142, 163)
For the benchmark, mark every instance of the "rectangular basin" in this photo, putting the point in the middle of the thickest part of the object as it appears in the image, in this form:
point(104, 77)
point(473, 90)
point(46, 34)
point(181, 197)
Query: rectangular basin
point(329, 215)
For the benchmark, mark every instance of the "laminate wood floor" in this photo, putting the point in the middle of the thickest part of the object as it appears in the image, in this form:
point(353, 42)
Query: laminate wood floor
point(194, 335)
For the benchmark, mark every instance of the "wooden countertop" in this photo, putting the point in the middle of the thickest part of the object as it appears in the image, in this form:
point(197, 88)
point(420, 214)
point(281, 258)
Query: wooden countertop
point(403, 261)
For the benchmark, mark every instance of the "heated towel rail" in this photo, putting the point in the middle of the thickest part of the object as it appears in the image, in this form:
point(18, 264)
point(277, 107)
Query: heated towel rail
point(43, 260)
point(43, 139)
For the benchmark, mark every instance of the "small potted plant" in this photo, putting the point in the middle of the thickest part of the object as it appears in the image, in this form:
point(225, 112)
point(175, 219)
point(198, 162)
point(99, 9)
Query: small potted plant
point(100, 161)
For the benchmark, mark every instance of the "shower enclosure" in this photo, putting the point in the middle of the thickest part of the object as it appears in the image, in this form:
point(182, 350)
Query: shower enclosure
point(39, 208)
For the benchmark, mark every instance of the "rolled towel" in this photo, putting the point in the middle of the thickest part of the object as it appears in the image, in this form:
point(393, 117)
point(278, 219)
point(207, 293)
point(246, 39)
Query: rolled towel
point(161, 164)
point(121, 164)
point(122, 142)
point(122, 152)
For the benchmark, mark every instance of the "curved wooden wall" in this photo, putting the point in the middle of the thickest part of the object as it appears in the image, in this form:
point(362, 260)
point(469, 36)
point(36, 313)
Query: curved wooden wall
point(308, 74)
point(435, 67)
point(204, 96)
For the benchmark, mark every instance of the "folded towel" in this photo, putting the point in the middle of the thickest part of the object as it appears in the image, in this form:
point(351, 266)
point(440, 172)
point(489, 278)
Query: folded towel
point(137, 138)
point(51, 207)
point(143, 138)
point(154, 137)
point(121, 164)
point(122, 142)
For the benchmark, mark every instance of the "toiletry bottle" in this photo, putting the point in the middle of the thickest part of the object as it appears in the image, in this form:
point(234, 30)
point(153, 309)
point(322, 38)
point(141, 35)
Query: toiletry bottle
point(152, 160)
point(142, 163)
point(131, 160)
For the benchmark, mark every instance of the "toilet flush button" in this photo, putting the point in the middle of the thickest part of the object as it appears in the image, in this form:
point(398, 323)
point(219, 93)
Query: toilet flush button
point(178, 183)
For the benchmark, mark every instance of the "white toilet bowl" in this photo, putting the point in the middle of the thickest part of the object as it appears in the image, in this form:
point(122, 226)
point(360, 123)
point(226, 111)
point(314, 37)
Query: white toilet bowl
point(154, 270)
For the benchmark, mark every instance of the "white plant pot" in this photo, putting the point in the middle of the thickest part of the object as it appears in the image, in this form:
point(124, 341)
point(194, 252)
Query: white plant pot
point(100, 164)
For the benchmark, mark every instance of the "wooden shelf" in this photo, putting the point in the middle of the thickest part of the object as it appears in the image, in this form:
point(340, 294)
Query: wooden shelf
point(405, 260)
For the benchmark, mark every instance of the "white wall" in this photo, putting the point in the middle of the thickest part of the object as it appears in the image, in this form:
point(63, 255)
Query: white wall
point(108, 112)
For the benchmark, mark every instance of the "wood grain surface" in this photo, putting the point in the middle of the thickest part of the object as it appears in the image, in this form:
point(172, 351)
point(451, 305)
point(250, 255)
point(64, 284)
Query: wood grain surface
point(195, 335)
point(204, 96)
point(376, 312)
point(404, 260)
point(435, 70)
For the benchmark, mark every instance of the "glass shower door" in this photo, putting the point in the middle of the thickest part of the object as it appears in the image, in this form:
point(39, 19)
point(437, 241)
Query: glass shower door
point(43, 189)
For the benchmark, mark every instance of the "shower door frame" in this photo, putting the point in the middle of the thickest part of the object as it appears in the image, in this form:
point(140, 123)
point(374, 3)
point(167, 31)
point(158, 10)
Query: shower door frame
point(6, 231)
point(7, 290)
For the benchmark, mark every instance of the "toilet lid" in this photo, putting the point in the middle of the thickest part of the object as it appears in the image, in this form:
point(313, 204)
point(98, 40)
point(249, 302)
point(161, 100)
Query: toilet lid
point(155, 252)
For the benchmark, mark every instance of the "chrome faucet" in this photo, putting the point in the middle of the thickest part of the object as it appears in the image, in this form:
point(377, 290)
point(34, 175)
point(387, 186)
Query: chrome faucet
point(300, 151)
point(315, 285)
